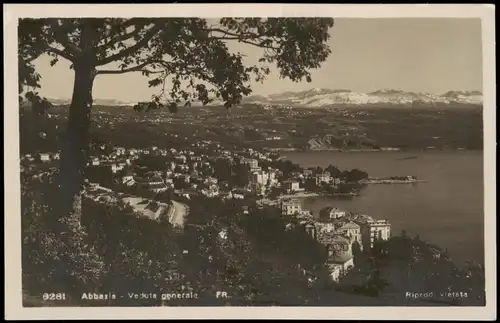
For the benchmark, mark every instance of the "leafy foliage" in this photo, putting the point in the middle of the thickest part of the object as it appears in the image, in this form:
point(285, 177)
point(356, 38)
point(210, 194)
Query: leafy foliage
point(189, 60)
point(191, 54)
point(56, 252)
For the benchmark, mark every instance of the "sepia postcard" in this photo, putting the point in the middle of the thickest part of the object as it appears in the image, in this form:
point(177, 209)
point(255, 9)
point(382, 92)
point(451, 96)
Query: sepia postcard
point(289, 161)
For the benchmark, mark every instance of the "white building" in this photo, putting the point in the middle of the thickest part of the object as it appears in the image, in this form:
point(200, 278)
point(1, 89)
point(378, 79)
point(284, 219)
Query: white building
point(258, 189)
point(261, 177)
point(325, 227)
point(238, 196)
point(352, 231)
point(116, 167)
point(44, 157)
point(292, 186)
point(323, 178)
point(372, 230)
point(291, 207)
point(331, 213)
point(210, 180)
point(340, 257)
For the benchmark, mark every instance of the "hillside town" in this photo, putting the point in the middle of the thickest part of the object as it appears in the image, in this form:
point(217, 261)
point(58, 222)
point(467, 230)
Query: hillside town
point(158, 183)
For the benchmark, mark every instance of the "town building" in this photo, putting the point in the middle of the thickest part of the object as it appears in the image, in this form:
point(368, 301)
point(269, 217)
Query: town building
point(292, 186)
point(352, 231)
point(436, 253)
point(291, 207)
point(252, 163)
point(308, 173)
point(340, 257)
point(158, 188)
point(323, 178)
point(310, 229)
point(44, 157)
point(325, 226)
point(260, 177)
point(258, 189)
point(372, 230)
point(336, 181)
point(331, 213)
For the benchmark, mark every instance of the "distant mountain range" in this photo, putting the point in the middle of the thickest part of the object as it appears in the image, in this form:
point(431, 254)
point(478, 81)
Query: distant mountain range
point(325, 97)
point(105, 102)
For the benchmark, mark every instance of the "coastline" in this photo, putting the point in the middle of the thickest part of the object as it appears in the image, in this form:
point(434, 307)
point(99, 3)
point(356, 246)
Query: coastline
point(301, 195)
point(338, 150)
point(393, 181)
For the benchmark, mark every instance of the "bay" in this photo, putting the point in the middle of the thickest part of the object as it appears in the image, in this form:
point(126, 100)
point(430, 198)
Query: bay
point(446, 210)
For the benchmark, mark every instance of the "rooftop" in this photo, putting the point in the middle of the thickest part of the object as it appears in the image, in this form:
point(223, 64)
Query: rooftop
point(350, 225)
point(340, 259)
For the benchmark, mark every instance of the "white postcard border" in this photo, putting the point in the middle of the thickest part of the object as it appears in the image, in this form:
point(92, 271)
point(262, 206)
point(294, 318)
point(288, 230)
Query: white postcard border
point(13, 294)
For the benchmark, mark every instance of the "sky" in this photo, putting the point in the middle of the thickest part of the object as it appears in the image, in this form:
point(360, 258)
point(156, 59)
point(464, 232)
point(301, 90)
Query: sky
point(432, 55)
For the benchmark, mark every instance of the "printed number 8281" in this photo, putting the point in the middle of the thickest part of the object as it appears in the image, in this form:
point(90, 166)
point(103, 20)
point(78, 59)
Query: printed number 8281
point(54, 296)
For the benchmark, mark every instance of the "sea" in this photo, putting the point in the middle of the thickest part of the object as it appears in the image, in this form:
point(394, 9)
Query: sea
point(446, 210)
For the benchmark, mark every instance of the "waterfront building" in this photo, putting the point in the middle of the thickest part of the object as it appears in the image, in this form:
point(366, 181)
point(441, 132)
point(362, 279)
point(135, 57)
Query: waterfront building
point(308, 173)
point(323, 178)
point(292, 186)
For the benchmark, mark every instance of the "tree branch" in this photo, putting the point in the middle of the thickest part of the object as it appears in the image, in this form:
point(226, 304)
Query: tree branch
point(62, 39)
point(147, 37)
point(138, 68)
point(123, 27)
point(60, 53)
point(120, 38)
point(246, 42)
point(244, 37)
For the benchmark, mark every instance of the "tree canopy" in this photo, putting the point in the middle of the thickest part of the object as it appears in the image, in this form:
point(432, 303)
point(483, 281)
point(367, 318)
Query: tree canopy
point(189, 53)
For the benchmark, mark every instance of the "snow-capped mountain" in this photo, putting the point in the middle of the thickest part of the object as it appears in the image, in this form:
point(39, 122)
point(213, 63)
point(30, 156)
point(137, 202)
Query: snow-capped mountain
point(320, 97)
point(325, 97)
point(464, 96)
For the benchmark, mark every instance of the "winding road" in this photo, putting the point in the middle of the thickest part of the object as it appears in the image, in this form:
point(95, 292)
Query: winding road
point(177, 214)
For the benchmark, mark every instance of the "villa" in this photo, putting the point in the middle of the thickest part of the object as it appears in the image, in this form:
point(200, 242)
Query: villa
point(331, 213)
point(291, 207)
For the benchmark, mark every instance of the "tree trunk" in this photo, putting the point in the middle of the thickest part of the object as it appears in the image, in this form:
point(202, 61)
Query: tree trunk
point(76, 145)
